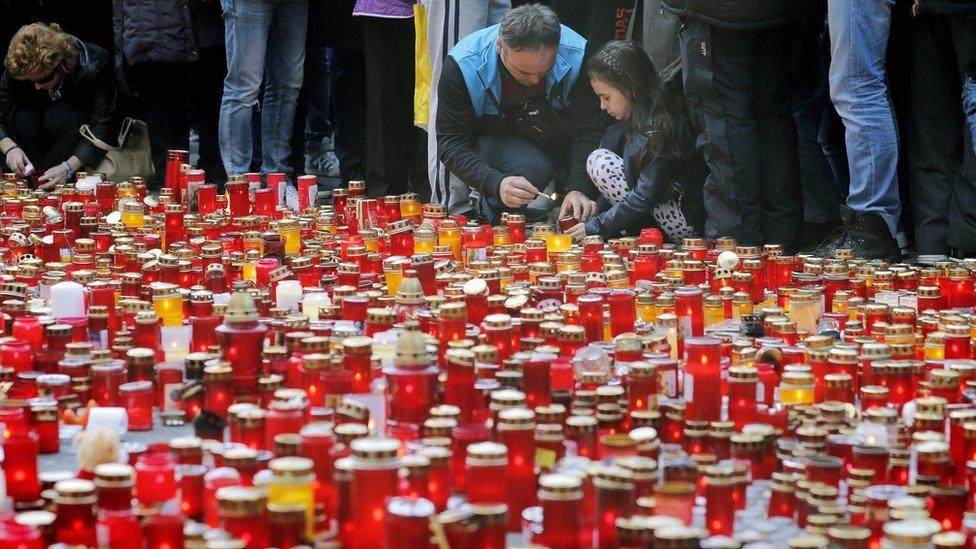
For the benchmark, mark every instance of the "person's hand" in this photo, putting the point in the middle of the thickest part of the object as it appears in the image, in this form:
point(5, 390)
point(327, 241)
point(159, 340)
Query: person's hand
point(55, 175)
point(516, 191)
point(17, 161)
point(577, 231)
point(577, 204)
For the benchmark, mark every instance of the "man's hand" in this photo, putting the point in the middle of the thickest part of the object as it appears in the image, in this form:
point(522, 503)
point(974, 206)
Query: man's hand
point(56, 175)
point(577, 204)
point(516, 191)
point(577, 231)
point(17, 161)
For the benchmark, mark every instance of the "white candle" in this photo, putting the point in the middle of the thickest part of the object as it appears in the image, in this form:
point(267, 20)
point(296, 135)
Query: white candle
point(175, 341)
point(312, 303)
point(289, 294)
point(67, 300)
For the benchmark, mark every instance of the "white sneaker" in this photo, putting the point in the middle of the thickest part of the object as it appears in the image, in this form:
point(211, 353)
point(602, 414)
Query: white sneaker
point(291, 198)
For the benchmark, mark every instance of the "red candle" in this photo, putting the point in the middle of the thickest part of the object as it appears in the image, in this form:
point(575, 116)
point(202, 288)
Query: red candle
point(719, 507)
point(702, 379)
point(408, 523)
point(591, 316)
point(642, 386)
point(242, 339)
point(375, 477)
point(241, 512)
point(948, 505)
point(20, 450)
point(486, 462)
point(75, 501)
point(237, 198)
point(459, 387)
point(164, 531)
point(623, 311)
point(137, 398)
point(206, 199)
point(614, 498)
point(155, 478)
point(113, 486)
point(120, 528)
point(688, 306)
point(516, 428)
point(561, 497)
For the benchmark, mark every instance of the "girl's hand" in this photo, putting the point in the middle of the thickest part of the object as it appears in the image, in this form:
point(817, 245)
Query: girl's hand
point(56, 175)
point(578, 231)
point(17, 161)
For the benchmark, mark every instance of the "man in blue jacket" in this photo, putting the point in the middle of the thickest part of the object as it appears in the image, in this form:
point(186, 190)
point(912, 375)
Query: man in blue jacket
point(516, 112)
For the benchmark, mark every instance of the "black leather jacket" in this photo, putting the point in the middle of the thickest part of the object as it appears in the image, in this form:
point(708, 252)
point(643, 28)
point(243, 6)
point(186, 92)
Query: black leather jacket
point(740, 14)
point(90, 88)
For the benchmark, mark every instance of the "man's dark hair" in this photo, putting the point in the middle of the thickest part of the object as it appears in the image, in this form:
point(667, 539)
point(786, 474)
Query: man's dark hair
point(530, 27)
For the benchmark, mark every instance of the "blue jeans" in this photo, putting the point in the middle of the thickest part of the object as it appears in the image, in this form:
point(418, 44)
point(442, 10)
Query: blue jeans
point(859, 32)
point(265, 41)
point(969, 107)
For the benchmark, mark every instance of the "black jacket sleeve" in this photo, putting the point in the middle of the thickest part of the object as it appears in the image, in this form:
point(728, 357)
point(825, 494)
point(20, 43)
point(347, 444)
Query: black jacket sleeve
point(455, 125)
point(587, 124)
point(6, 104)
point(104, 120)
point(637, 205)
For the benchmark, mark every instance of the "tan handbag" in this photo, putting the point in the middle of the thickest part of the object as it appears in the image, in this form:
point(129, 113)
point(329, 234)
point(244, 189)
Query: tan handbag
point(131, 158)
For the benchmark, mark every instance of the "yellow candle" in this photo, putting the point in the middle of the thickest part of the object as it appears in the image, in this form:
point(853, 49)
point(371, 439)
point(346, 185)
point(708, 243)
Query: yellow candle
point(291, 482)
point(250, 271)
point(559, 243)
point(290, 232)
point(168, 304)
point(424, 240)
point(132, 214)
point(796, 389)
point(449, 234)
point(393, 271)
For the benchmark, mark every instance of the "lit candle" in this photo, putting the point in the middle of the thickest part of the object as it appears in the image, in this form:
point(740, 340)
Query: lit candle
point(702, 380)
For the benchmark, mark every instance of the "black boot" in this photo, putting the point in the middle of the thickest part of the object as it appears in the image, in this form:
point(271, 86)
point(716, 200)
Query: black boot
point(868, 237)
point(838, 237)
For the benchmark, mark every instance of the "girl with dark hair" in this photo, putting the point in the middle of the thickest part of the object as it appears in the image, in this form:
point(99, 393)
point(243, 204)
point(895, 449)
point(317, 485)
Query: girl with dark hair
point(647, 168)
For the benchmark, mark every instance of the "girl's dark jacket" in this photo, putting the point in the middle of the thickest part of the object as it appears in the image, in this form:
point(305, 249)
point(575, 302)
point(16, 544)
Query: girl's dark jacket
point(652, 179)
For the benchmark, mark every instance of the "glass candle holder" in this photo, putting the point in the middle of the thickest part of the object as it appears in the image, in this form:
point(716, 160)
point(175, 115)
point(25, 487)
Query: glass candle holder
point(164, 530)
point(20, 449)
point(237, 198)
point(688, 306)
point(407, 522)
point(675, 499)
point(623, 311)
point(561, 498)
point(291, 483)
point(486, 462)
point(113, 486)
point(614, 492)
point(155, 478)
point(719, 507)
point(242, 515)
point(702, 379)
point(137, 398)
point(75, 524)
point(375, 477)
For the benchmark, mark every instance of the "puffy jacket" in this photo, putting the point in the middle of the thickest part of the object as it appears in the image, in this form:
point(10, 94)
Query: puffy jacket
point(165, 31)
point(740, 14)
point(395, 9)
point(90, 88)
point(652, 180)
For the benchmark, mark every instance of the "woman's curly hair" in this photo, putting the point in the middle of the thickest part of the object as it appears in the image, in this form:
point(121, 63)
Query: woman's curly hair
point(38, 49)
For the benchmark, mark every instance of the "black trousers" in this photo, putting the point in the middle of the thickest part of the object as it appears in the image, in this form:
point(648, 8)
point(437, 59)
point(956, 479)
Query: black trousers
point(48, 135)
point(941, 164)
point(390, 134)
point(738, 89)
point(824, 173)
point(513, 155)
point(170, 94)
point(349, 111)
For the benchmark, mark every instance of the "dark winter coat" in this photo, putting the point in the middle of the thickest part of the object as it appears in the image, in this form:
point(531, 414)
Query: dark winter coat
point(740, 14)
point(165, 31)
